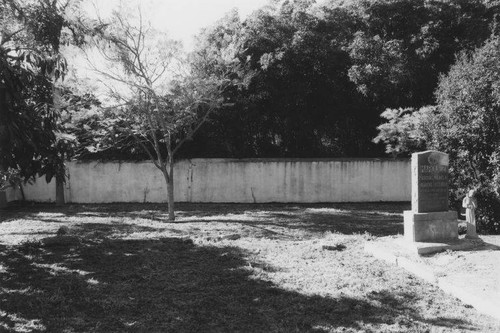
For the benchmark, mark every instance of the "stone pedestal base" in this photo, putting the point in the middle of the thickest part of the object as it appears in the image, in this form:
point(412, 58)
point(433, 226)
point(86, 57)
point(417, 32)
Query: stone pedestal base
point(430, 227)
point(471, 231)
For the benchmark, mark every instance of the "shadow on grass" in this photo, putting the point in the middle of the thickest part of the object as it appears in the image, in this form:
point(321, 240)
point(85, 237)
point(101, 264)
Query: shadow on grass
point(378, 219)
point(171, 285)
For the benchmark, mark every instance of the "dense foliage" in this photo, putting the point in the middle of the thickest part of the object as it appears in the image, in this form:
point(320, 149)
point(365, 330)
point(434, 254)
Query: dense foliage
point(465, 123)
point(324, 73)
point(320, 75)
point(32, 141)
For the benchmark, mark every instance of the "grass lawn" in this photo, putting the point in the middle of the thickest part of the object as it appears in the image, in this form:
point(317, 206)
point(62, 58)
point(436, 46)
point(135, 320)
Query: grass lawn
point(219, 268)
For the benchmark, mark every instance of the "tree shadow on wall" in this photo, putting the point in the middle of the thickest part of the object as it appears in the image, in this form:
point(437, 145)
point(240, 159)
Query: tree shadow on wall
point(171, 285)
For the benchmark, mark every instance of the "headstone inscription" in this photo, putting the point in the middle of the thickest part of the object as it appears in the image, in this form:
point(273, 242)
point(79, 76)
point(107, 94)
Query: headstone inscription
point(429, 182)
point(429, 219)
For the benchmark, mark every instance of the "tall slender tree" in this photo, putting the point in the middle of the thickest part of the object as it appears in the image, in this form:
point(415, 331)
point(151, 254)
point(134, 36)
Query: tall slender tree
point(164, 99)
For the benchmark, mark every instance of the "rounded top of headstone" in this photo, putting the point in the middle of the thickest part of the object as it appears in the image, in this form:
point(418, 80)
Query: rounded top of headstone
point(431, 157)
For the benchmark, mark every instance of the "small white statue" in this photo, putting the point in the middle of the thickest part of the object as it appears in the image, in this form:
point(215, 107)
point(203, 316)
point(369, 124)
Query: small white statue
point(470, 205)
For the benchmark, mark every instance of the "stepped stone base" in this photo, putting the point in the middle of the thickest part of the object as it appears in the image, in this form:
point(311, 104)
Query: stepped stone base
point(430, 227)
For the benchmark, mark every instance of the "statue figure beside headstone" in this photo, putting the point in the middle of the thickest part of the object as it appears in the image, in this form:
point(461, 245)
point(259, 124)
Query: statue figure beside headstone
point(470, 205)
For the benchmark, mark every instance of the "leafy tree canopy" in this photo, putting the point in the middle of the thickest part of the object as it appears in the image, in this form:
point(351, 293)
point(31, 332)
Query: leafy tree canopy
point(324, 73)
point(31, 140)
point(318, 75)
point(465, 124)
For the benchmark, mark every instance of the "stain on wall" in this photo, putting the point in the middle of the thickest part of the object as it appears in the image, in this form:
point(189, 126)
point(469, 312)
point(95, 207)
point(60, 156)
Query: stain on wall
point(235, 180)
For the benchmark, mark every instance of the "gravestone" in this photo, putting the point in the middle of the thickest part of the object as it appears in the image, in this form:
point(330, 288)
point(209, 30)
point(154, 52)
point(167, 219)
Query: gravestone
point(429, 219)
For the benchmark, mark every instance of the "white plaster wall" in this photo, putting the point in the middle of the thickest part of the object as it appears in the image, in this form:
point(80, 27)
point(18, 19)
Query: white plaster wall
point(40, 191)
point(232, 180)
point(265, 180)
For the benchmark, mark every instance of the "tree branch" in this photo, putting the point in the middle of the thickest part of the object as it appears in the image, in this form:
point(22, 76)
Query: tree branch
point(192, 130)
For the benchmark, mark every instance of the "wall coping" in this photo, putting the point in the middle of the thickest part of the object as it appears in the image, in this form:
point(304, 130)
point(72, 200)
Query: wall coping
point(260, 160)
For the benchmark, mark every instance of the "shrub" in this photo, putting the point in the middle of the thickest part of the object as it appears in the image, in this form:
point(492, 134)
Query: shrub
point(465, 123)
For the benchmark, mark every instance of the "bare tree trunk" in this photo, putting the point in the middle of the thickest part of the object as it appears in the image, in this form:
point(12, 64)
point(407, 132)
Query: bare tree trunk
point(22, 192)
point(169, 180)
point(59, 178)
point(170, 190)
point(59, 192)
